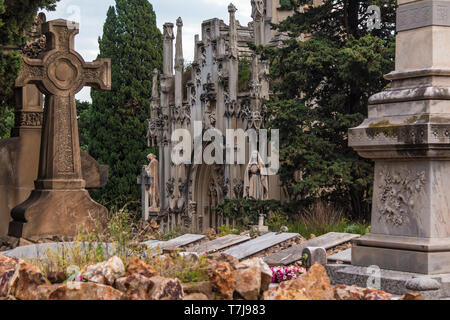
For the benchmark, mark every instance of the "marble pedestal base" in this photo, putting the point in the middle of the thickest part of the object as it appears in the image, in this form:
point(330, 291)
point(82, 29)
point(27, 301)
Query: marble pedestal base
point(55, 213)
point(431, 287)
point(429, 256)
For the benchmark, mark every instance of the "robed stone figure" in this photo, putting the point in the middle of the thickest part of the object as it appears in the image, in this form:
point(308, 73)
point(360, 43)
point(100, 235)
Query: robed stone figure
point(153, 170)
point(256, 184)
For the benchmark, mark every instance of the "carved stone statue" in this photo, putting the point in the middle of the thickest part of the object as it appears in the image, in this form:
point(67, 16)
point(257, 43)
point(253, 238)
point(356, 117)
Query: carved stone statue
point(256, 184)
point(257, 9)
point(153, 171)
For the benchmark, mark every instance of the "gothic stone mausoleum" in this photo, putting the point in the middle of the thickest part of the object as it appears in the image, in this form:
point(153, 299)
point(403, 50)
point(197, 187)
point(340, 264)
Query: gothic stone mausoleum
point(211, 91)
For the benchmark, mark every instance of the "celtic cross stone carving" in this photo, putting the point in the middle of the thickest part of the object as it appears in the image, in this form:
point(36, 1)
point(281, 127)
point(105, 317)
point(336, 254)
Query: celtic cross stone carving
point(60, 73)
point(59, 204)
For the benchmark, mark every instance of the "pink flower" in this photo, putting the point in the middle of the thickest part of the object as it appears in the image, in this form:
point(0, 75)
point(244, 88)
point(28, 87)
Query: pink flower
point(281, 274)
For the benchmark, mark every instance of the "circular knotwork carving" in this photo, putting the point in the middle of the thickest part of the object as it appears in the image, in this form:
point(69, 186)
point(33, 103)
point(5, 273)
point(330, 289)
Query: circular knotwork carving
point(64, 72)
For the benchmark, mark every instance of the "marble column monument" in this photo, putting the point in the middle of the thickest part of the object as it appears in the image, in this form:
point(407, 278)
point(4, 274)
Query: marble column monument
point(407, 134)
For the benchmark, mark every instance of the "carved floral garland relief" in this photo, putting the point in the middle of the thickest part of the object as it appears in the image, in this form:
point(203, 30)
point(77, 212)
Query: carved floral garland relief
point(398, 194)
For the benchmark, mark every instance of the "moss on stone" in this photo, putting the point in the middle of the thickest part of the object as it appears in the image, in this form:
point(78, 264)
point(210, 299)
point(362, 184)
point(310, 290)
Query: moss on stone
point(382, 127)
point(381, 124)
point(411, 120)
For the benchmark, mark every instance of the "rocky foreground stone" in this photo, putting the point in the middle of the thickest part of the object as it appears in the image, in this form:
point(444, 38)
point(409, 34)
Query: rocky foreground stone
point(228, 279)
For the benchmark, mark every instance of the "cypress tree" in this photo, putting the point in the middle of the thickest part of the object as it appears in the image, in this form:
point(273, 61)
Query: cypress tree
point(118, 120)
point(321, 90)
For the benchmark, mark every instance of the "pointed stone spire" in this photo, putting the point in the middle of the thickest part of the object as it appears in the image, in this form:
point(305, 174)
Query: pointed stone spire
point(179, 64)
point(196, 41)
point(258, 8)
point(233, 31)
point(179, 61)
point(155, 93)
point(168, 49)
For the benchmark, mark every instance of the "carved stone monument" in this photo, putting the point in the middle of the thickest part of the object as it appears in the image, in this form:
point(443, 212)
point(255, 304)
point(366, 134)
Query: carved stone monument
point(19, 155)
point(255, 181)
point(407, 133)
point(60, 205)
point(146, 182)
point(152, 170)
point(149, 181)
point(209, 92)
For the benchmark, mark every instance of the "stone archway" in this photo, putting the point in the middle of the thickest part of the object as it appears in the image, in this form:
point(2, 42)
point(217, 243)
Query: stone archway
point(207, 192)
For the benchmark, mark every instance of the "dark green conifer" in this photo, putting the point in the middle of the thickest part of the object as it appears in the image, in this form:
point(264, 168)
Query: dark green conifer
point(118, 119)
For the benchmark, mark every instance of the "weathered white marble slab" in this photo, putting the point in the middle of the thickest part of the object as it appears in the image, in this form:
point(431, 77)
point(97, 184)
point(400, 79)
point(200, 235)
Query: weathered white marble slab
point(179, 242)
point(219, 243)
point(259, 244)
point(36, 251)
point(344, 256)
point(151, 242)
point(294, 253)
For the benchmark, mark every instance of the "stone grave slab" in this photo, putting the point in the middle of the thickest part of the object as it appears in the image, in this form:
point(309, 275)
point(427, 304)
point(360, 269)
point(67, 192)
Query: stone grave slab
point(179, 242)
point(259, 244)
point(220, 243)
point(293, 254)
point(344, 256)
point(39, 250)
point(151, 242)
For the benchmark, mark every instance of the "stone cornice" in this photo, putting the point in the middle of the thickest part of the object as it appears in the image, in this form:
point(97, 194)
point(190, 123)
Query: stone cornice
point(423, 14)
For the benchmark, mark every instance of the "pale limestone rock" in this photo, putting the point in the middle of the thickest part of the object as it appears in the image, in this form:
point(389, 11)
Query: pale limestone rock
point(263, 270)
point(343, 292)
point(136, 287)
point(196, 297)
point(412, 296)
point(78, 291)
point(204, 287)
point(7, 269)
point(314, 285)
point(104, 272)
point(248, 282)
point(166, 289)
point(137, 266)
point(25, 281)
point(222, 280)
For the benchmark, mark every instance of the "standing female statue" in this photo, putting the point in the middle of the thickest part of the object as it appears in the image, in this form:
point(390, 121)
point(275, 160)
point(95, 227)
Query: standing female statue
point(255, 181)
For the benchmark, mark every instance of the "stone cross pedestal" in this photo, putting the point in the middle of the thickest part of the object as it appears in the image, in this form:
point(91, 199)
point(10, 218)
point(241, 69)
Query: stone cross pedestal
point(145, 181)
point(261, 228)
point(60, 204)
point(407, 133)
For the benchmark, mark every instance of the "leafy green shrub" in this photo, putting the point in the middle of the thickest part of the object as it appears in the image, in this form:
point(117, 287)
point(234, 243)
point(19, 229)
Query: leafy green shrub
point(246, 211)
point(176, 232)
point(276, 221)
point(244, 74)
point(225, 230)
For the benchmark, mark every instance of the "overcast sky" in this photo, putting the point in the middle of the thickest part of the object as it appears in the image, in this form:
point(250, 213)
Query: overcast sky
point(92, 14)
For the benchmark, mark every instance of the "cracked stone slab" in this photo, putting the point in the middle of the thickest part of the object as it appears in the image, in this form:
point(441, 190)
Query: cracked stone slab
point(294, 253)
point(179, 242)
point(37, 251)
point(344, 256)
point(220, 243)
point(252, 247)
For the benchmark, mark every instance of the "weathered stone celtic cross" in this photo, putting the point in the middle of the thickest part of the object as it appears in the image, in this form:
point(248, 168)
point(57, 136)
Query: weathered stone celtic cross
point(59, 205)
